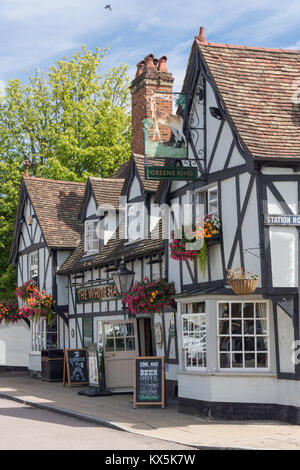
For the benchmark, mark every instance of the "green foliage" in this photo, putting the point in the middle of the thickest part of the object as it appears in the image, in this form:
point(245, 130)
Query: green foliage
point(70, 122)
point(202, 258)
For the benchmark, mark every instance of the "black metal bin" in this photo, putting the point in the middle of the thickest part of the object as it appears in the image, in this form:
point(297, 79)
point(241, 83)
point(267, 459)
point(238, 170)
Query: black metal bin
point(52, 365)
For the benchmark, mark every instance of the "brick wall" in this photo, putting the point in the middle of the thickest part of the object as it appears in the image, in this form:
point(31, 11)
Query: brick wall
point(152, 76)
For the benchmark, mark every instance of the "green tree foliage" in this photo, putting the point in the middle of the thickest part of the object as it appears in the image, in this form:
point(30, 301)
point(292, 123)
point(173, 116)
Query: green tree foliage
point(70, 122)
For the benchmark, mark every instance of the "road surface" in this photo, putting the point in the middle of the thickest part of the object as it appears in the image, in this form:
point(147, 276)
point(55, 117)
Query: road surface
point(26, 428)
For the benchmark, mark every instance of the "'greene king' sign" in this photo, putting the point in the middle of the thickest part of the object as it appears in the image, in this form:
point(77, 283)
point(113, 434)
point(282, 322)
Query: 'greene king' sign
point(292, 220)
point(97, 293)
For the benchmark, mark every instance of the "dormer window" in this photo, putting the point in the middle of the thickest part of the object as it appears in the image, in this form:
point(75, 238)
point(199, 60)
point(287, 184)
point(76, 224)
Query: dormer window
point(91, 236)
point(135, 221)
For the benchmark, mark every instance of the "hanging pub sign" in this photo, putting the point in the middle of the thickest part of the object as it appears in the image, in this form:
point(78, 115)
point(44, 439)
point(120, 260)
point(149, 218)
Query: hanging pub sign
point(97, 293)
point(149, 381)
point(164, 131)
point(283, 219)
point(167, 173)
point(75, 367)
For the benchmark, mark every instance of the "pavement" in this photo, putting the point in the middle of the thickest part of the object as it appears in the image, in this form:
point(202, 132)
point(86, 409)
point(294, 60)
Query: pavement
point(116, 412)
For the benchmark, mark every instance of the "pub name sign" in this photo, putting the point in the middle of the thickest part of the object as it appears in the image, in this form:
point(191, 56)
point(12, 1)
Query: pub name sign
point(283, 219)
point(96, 293)
point(168, 173)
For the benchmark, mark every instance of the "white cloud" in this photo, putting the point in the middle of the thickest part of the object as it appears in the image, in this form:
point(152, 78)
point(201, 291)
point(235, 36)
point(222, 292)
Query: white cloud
point(36, 33)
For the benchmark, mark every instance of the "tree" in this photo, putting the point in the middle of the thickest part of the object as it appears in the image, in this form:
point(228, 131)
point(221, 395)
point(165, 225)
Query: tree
point(70, 122)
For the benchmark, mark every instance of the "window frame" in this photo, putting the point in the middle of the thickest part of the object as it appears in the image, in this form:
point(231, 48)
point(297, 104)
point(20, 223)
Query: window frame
point(32, 273)
point(143, 222)
point(242, 335)
point(216, 200)
point(88, 250)
point(38, 334)
point(190, 315)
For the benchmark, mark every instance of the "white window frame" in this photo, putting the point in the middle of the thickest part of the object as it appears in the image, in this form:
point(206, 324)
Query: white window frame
point(243, 352)
point(142, 221)
point(215, 200)
point(38, 334)
point(95, 236)
point(34, 268)
point(190, 316)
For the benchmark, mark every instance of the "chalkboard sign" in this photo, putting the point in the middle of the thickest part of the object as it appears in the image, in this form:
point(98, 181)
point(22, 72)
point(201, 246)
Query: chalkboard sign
point(75, 367)
point(149, 381)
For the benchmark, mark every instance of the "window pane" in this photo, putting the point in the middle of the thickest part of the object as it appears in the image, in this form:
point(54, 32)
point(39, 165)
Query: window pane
point(248, 327)
point(261, 344)
point(108, 330)
point(236, 310)
point(130, 329)
point(249, 310)
point(237, 360)
point(120, 344)
point(249, 344)
point(224, 327)
point(250, 360)
point(262, 360)
point(224, 361)
point(224, 343)
point(224, 310)
point(261, 310)
point(109, 345)
point(198, 307)
point(236, 327)
point(237, 343)
point(213, 194)
point(261, 327)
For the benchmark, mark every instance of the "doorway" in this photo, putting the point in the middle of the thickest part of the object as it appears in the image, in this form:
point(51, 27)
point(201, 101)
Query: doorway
point(120, 347)
point(145, 336)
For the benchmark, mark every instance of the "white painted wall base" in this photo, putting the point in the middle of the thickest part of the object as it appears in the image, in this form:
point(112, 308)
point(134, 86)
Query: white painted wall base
point(250, 388)
point(35, 362)
point(14, 345)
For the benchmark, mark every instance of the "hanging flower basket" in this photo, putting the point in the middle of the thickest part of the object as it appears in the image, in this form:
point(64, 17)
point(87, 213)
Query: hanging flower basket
point(149, 296)
point(37, 303)
point(241, 282)
point(26, 290)
point(206, 229)
point(9, 313)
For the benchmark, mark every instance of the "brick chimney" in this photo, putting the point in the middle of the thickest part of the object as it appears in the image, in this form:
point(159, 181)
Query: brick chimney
point(151, 76)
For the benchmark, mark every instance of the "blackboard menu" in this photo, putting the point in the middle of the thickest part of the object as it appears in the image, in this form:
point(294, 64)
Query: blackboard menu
point(75, 367)
point(149, 377)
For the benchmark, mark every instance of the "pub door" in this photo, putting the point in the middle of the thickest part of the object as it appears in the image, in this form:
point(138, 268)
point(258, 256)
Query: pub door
point(120, 347)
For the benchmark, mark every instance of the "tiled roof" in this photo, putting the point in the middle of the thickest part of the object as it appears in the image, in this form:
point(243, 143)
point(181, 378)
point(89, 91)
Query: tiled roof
point(139, 160)
point(114, 250)
point(257, 86)
point(107, 190)
point(56, 205)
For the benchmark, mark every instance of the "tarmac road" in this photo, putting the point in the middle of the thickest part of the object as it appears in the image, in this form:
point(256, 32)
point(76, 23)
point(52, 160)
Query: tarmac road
point(26, 428)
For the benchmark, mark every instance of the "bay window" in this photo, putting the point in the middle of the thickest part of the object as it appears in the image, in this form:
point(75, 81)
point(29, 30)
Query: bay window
point(243, 335)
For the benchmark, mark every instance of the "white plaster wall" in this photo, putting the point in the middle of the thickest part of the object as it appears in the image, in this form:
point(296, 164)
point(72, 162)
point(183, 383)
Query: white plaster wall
point(14, 344)
point(91, 207)
point(135, 189)
point(222, 148)
point(286, 339)
point(284, 251)
point(229, 215)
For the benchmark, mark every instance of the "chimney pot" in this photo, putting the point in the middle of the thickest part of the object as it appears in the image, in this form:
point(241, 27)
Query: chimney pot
point(162, 64)
point(201, 36)
point(140, 68)
point(26, 165)
point(149, 62)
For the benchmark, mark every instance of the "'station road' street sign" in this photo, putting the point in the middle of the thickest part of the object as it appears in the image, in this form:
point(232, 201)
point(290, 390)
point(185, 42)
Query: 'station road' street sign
point(178, 173)
point(283, 219)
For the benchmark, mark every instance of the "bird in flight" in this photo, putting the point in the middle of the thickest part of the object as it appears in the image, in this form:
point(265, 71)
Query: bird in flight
point(108, 7)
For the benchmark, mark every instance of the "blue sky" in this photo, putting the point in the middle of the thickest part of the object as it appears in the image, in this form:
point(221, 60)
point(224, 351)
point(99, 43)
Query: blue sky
point(35, 33)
